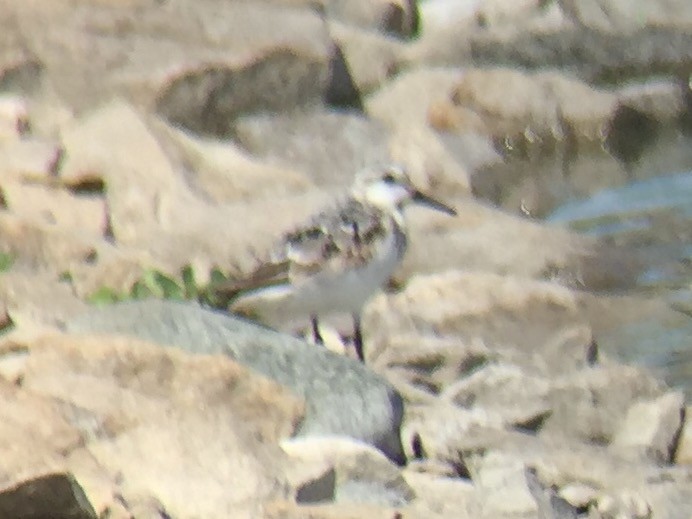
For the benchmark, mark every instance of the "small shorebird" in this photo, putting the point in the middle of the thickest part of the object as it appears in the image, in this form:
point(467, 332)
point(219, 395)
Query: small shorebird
point(339, 258)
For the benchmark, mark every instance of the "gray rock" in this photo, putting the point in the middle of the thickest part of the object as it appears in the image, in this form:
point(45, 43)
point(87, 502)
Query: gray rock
point(591, 403)
point(613, 15)
point(626, 506)
point(500, 477)
point(662, 100)
point(600, 40)
point(550, 504)
point(372, 58)
point(596, 55)
point(652, 428)
point(392, 104)
point(343, 397)
point(395, 17)
point(683, 453)
point(367, 479)
point(371, 492)
point(345, 471)
point(318, 489)
point(543, 108)
point(58, 496)
point(200, 64)
point(331, 147)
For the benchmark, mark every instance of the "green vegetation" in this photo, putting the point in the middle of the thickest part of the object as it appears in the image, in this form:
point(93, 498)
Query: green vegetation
point(6, 261)
point(157, 285)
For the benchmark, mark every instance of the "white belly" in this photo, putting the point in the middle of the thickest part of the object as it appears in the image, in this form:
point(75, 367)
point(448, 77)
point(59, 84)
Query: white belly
point(345, 291)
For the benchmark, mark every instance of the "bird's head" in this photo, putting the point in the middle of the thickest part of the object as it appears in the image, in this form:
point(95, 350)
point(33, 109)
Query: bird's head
point(390, 187)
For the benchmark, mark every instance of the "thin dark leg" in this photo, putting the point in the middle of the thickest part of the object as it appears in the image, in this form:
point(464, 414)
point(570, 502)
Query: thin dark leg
point(358, 337)
point(316, 330)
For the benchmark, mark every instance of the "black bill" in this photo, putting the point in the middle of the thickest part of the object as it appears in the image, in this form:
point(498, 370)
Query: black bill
point(426, 200)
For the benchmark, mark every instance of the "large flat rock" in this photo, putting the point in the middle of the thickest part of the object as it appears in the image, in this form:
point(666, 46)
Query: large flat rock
point(343, 397)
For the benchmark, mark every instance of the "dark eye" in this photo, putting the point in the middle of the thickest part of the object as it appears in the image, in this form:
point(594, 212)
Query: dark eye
point(389, 178)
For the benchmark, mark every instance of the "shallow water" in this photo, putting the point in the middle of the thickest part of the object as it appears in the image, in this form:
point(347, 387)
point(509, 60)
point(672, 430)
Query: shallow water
point(644, 205)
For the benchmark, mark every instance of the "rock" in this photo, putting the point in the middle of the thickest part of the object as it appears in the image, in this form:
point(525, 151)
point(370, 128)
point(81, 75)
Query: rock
point(36, 438)
point(34, 159)
point(234, 58)
point(116, 268)
point(291, 510)
point(55, 495)
point(34, 433)
point(20, 68)
point(573, 348)
point(395, 17)
point(562, 462)
point(545, 107)
point(550, 504)
point(500, 478)
point(222, 473)
point(14, 117)
point(671, 498)
point(49, 116)
point(52, 207)
point(12, 358)
point(249, 230)
point(504, 392)
point(618, 321)
point(629, 506)
point(619, 16)
point(434, 363)
point(371, 58)
point(42, 247)
point(313, 484)
point(392, 104)
point(70, 369)
point(664, 101)
point(652, 428)
point(358, 404)
point(432, 468)
point(446, 433)
point(546, 38)
point(99, 485)
point(465, 304)
point(683, 453)
point(590, 404)
point(158, 418)
point(114, 144)
point(486, 240)
point(442, 15)
point(222, 171)
point(223, 93)
point(360, 474)
point(446, 496)
point(145, 191)
point(433, 162)
point(5, 320)
point(330, 147)
point(579, 495)
point(37, 298)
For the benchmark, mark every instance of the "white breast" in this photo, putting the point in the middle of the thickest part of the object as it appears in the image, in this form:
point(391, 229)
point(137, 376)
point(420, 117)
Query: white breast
point(345, 291)
point(349, 290)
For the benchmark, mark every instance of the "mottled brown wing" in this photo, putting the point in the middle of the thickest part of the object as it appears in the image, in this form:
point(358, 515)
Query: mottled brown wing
point(333, 240)
point(344, 238)
point(267, 274)
point(357, 231)
point(309, 250)
point(299, 254)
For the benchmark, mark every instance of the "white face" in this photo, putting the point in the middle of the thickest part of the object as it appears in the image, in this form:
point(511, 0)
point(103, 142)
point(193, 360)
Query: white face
point(385, 194)
point(390, 188)
point(386, 188)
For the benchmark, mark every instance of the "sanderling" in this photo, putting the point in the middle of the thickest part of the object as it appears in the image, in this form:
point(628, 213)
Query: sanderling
point(339, 258)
